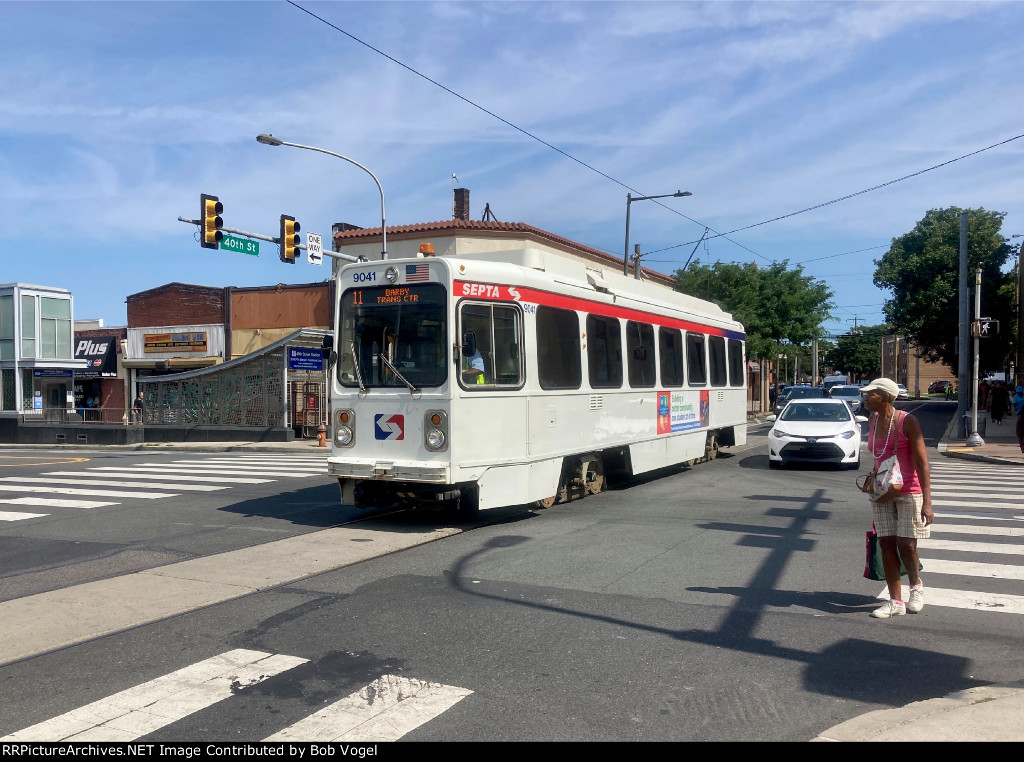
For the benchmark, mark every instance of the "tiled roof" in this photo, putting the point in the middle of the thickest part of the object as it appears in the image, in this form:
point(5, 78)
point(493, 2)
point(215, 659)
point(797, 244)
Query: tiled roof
point(482, 226)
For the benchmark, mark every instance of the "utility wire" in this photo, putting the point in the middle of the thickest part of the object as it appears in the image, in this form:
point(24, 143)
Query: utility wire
point(634, 190)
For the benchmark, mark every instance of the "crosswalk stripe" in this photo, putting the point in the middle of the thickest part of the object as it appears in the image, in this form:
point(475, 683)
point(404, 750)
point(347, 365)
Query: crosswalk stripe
point(975, 529)
point(247, 465)
point(385, 710)
point(978, 515)
point(13, 516)
point(973, 569)
point(74, 491)
point(969, 599)
point(271, 461)
point(246, 471)
point(88, 480)
point(141, 710)
point(144, 470)
point(55, 502)
point(1001, 548)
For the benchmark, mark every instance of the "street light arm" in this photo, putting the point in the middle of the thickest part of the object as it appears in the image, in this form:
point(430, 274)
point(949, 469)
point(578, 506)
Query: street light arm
point(270, 140)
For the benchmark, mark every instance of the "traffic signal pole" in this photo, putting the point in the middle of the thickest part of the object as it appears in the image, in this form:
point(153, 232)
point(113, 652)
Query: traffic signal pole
point(975, 440)
point(270, 239)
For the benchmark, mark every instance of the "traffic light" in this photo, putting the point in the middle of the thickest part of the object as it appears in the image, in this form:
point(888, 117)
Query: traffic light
point(289, 238)
point(210, 221)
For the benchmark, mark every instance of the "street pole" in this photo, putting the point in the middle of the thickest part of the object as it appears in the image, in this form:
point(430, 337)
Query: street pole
point(965, 324)
point(975, 439)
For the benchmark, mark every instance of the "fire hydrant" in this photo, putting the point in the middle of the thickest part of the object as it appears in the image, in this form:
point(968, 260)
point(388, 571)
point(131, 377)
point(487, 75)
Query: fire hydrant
point(321, 435)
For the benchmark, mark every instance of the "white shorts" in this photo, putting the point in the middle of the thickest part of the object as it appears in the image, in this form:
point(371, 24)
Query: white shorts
point(901, 517)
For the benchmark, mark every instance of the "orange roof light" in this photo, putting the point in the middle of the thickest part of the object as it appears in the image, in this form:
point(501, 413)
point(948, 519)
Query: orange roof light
point(427, 249)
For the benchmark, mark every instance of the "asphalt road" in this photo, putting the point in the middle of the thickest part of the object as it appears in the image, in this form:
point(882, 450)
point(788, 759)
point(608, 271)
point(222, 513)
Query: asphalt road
point(722, 602)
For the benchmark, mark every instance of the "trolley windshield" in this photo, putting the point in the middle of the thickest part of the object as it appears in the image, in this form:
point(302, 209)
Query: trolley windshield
point(393, 328)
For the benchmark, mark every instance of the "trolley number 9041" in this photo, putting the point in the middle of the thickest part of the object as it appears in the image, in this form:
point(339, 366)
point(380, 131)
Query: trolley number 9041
point(364, 277)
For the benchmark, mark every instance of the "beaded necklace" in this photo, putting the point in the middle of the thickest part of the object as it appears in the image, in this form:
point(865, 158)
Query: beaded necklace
point(885, 445)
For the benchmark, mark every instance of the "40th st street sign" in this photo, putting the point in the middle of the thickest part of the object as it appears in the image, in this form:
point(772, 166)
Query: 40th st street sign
point(241, 245)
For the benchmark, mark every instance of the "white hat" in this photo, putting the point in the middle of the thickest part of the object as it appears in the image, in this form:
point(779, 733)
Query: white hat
point(883, 385)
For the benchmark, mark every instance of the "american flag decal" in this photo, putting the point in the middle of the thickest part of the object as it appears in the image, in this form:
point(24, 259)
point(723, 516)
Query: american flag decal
point(416, 272)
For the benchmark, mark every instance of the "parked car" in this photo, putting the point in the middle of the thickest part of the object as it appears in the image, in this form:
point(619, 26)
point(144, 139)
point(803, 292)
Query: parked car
point(903, 393)
point(797, 392)
point(939, 387)
point(850, 395)
point(815, 431)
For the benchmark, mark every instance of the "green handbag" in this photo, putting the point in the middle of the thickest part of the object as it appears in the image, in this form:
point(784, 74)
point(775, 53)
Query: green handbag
point(873, 567)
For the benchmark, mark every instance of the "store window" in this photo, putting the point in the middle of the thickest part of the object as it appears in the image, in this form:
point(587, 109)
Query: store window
point(28, 326)
point(6, 327)
point(55, 328)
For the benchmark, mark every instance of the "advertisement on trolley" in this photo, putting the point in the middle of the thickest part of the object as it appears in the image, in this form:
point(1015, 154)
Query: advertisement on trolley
point(683, 411)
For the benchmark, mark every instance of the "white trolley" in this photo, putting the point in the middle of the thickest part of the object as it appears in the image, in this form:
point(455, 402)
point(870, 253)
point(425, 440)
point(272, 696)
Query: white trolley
point(523, 376)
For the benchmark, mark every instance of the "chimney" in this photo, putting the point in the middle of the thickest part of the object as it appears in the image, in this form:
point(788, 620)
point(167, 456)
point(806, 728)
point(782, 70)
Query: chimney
point(461, 211)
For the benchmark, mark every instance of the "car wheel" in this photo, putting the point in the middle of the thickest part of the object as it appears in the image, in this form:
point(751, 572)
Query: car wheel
point(774, 464)
point(853, 466)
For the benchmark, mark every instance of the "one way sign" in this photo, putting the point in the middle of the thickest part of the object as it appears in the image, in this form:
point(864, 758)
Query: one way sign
point(314, 249)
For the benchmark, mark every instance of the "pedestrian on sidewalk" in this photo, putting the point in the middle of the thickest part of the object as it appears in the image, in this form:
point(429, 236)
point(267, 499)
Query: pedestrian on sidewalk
point(999, 400)
point(1018, 408)
point(905, 519)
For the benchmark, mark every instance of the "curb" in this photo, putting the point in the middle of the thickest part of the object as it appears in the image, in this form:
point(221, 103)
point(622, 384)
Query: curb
point(985, 713)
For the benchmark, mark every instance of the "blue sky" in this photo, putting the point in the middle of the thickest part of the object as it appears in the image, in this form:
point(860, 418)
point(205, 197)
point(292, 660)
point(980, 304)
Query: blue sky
point(115, 116)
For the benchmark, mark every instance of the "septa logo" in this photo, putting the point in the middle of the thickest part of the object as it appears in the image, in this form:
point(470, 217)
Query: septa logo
point(388, 427)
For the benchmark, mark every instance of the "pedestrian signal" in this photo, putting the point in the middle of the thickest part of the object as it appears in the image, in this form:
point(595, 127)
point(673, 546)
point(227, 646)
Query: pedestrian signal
point(210, 221)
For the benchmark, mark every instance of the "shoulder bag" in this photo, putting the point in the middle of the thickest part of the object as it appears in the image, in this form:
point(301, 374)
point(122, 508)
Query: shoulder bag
point(884, 483)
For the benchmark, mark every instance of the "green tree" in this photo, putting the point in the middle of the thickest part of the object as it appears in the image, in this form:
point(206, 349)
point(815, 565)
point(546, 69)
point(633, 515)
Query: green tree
point(921, 269)
point(859, 354)
point(777, 305)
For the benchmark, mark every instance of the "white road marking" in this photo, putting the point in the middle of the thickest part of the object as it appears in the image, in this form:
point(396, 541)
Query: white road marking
point(973, 569)
point(12, 516)
point(137, 471)
point(90, 480)
point(73, 491)
point(55, 502)
point(974, 529)
point(241, 471)
point(968, 599)
point(384, 710)
point(1002, 548)
point(141, 710)
point(977, 514)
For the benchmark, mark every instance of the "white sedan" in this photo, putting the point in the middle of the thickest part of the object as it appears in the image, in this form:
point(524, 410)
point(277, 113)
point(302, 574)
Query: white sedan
point(815, 431)
point(903, 393)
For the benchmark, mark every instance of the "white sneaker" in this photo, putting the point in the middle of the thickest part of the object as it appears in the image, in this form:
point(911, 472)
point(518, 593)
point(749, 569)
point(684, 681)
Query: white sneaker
point(889, 609)
point(916, 602)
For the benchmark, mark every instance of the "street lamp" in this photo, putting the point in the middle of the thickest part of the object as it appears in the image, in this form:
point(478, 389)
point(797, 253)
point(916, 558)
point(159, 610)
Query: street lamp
point(786, 371)
point(629, 200)
point(1020, 315)
point(270, 140)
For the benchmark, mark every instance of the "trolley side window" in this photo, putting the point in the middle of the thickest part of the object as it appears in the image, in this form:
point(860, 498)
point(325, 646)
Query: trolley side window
point(558, 349)
point(640, 348)
point(736, 375)
point(604, 352)
point(716, 349)
point(490, 353)
point(670, 347)
point(696, 363)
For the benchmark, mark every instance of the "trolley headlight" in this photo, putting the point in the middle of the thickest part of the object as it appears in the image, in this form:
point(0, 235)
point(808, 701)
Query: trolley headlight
point(391, 274)
point(435, 430)
point(344, 428)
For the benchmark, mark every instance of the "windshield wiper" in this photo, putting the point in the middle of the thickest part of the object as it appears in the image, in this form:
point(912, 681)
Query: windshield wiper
point(412, 389)
point(355, 364)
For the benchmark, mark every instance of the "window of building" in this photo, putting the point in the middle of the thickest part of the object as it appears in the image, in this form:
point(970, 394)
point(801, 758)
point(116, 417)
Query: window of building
point(737, 374)
point(640, 349)
point(604, 352)
point(497, 332)
point(558, 349)
point(6, 327)
point(670, 346)
point(55, 328)
point(696, 362)
point(28, 326)
point(716, 350)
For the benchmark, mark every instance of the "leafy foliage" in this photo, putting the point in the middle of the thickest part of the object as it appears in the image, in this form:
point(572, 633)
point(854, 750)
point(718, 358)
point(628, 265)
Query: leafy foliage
point(922, 269)
point(777, 305)
point(859, 354)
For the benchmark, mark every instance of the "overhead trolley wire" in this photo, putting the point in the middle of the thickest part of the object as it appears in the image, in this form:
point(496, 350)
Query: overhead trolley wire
point(634, 190)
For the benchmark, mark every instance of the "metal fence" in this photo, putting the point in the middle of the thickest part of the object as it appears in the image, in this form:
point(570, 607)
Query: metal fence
point(249, 393)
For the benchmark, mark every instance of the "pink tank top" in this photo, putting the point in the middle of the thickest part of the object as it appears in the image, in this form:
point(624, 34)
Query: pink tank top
point(880, 451)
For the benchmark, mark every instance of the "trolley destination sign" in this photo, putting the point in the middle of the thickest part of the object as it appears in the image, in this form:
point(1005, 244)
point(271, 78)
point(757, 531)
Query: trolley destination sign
point(241, 245)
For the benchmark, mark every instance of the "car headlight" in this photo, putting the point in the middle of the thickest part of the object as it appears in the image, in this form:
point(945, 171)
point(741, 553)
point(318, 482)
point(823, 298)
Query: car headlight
point(779, 433)
point(848, 434)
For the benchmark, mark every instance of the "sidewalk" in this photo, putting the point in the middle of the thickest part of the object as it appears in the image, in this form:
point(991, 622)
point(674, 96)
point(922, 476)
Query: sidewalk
point(1000, 442)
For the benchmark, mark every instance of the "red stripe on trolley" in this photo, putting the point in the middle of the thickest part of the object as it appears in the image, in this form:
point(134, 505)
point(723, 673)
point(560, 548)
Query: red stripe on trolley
point(494, 292)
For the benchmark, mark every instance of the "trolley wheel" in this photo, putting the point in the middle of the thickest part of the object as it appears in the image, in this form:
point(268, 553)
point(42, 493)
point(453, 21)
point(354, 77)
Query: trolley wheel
point(469, 502)
point(547, 502)
point(712, 448)
point(595, 476)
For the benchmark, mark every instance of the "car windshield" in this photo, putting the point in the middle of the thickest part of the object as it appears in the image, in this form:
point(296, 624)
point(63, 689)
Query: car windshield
point(805, 411)
point(845, 391)
point(805, 392)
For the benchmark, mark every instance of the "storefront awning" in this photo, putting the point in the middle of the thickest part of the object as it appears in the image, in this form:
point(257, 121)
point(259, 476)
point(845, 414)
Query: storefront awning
point(100, 354)
point(175, 363)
